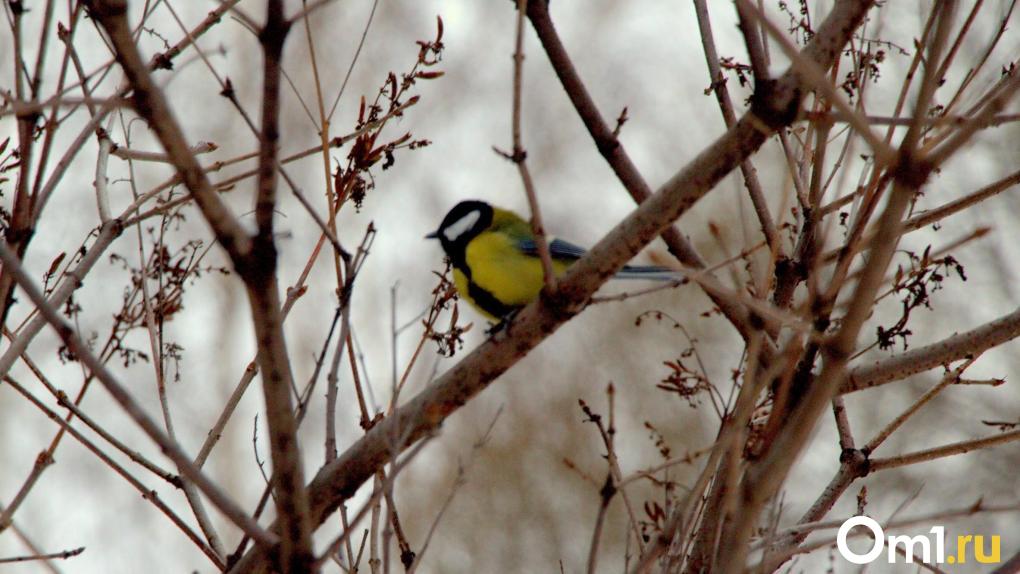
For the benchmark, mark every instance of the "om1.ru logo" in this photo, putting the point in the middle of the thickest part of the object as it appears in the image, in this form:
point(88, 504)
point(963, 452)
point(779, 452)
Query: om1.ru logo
point(910, 545)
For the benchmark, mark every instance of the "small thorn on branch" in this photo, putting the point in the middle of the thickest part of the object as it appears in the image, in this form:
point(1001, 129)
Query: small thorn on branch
point(518, 156)
point(622, 119)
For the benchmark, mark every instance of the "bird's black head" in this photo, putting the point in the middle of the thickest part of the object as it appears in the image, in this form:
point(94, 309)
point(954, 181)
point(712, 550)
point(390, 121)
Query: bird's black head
point(463, 223)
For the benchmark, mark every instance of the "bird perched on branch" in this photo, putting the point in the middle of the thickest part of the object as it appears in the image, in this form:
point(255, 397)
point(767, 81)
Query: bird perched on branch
point(496, 266)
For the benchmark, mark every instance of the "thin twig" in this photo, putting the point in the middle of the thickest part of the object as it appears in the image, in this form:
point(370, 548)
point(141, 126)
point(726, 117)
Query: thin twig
point(64, 555)
point(519, 156)
point(722, 95)
point(936, 453)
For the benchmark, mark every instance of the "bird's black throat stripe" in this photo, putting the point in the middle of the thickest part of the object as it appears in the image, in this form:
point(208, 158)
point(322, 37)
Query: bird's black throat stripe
point(480, 295)
point(488, 301)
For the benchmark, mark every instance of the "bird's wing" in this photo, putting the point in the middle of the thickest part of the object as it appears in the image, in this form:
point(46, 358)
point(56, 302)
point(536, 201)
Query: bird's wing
point(558, 249)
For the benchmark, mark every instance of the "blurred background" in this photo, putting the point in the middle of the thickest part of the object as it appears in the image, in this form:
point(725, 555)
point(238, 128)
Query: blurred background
point(521, 507)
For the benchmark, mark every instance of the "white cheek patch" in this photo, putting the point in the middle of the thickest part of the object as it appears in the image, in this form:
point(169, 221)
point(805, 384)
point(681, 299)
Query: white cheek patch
point(461, 226)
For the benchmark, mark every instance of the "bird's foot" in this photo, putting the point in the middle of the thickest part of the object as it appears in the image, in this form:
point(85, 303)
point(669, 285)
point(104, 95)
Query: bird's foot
point(503, 325)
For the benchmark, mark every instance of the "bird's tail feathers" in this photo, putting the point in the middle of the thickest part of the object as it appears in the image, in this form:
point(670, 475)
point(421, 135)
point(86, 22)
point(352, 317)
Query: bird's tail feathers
point(649, 273)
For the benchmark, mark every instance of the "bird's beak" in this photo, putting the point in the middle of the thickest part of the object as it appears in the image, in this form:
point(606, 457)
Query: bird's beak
point(433, 235)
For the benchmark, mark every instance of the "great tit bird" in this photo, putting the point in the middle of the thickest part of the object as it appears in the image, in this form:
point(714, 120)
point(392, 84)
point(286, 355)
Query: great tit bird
point(496, 266)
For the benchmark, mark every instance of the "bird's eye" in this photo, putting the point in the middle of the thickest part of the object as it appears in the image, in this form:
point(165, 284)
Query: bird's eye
point(455, 230)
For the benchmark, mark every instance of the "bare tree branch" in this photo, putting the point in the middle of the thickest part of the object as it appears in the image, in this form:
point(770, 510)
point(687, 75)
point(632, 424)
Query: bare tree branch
point(340, 479)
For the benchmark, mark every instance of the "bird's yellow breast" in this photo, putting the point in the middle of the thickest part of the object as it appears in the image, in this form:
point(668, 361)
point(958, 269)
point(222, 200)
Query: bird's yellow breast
point(499, 267)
